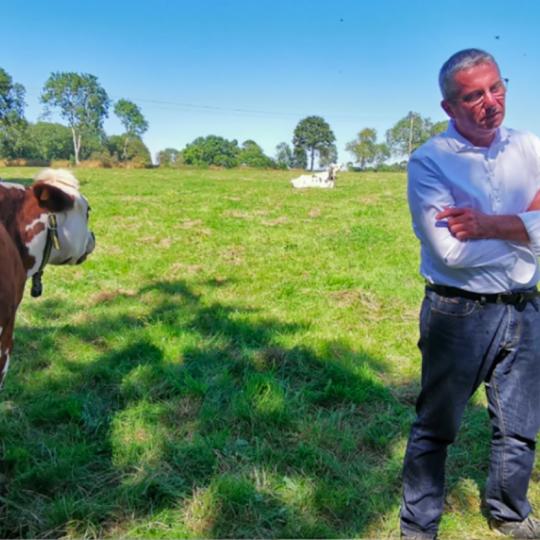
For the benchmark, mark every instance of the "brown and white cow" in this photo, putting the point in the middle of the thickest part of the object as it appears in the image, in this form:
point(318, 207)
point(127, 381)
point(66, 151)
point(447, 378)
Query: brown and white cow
point(44, 223)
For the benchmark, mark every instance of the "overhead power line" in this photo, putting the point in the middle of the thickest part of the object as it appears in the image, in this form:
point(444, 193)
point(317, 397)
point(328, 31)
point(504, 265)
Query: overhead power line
point(168, 105)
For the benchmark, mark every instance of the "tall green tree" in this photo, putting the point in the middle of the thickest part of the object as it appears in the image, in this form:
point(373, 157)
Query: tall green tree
point(133, 121)
point(11, 97)
point(12, 121)
point(299, 158)
point(408, 134)
point(328, 155)
point(81, 101)
point(313, 136)
point(366, 150)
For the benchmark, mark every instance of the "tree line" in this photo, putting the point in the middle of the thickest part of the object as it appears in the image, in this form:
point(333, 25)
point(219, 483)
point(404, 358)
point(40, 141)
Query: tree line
point(313, 140)
point(83, 104)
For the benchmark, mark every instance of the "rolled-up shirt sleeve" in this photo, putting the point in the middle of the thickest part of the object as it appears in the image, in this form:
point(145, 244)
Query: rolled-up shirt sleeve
point(531, 221)
point(427, 197)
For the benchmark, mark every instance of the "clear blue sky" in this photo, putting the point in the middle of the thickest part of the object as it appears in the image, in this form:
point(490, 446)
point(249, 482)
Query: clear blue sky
point(252, 69)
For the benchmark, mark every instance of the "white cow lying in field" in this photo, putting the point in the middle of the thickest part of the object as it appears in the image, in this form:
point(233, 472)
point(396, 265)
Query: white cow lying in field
point(325, 179)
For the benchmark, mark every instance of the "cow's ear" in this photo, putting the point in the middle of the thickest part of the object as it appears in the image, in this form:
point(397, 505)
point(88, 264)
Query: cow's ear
point(52, 198)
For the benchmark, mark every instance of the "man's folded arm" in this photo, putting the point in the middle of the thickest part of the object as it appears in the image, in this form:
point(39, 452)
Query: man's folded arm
point(428, 198)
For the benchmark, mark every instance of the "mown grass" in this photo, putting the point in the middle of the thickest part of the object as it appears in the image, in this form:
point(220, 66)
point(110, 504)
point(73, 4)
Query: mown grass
point(236, 360)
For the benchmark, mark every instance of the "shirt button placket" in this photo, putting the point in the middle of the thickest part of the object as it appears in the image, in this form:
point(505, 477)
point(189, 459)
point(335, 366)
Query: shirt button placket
point(495, 190)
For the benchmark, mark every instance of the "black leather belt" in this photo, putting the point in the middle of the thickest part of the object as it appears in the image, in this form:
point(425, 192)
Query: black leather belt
point(513, 298)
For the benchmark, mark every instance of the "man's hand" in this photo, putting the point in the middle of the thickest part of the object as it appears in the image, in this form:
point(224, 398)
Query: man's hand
point(535, 204)
point(470, 224)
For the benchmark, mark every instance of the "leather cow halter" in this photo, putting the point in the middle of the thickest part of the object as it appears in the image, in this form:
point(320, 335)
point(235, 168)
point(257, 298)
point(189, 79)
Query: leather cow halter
point(52, 240)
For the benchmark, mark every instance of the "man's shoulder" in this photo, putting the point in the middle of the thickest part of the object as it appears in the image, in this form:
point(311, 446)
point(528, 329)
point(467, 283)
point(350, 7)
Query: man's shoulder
point(446, 143)
point(517, 135)
point(436, 145)
point(526, 143)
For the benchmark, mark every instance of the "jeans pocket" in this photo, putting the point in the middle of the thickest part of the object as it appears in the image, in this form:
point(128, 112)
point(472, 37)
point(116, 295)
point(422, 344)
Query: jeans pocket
point(454, 306)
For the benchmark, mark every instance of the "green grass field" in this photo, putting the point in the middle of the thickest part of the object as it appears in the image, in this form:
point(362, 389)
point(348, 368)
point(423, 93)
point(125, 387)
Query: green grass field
point(236, 360)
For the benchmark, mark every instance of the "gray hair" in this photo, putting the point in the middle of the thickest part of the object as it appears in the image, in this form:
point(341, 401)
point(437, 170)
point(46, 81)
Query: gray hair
point(464, 59)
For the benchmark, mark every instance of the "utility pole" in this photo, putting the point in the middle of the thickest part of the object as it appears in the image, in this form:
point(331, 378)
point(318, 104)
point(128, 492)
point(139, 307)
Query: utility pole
point(410, 133)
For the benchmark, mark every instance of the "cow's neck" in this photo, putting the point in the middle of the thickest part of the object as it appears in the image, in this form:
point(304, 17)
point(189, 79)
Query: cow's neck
point(34, 240)
point(26, 223)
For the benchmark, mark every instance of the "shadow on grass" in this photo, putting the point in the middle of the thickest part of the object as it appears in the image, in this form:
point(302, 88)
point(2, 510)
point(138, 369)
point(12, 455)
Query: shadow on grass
point(194, 420)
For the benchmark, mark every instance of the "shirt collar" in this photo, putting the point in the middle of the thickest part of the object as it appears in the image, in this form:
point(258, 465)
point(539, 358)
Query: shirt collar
point(459, 143)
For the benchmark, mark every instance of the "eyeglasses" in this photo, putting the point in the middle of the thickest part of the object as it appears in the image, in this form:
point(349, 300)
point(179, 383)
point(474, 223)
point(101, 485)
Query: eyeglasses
point(497, 90)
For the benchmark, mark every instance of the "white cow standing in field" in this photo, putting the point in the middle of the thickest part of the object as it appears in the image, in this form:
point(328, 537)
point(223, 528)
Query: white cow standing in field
point(325, 179)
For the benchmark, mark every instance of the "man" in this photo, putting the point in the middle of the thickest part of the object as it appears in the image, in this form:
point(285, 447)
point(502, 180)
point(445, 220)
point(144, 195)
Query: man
point(473, 199)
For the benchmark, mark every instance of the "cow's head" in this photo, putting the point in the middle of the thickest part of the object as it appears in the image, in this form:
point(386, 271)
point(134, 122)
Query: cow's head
point(57, 191)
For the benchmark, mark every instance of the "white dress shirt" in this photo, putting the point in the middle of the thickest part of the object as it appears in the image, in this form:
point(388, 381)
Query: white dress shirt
point(449, 171)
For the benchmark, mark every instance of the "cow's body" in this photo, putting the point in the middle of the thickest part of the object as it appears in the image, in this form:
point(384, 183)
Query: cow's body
point(24, 234)
point(317, 180)
point(324, 180)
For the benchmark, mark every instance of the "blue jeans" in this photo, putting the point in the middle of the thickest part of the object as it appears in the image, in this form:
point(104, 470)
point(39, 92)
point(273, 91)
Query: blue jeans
point(464, 343)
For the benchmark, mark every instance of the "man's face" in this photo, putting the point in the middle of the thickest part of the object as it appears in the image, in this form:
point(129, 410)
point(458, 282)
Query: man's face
point(479, 103)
